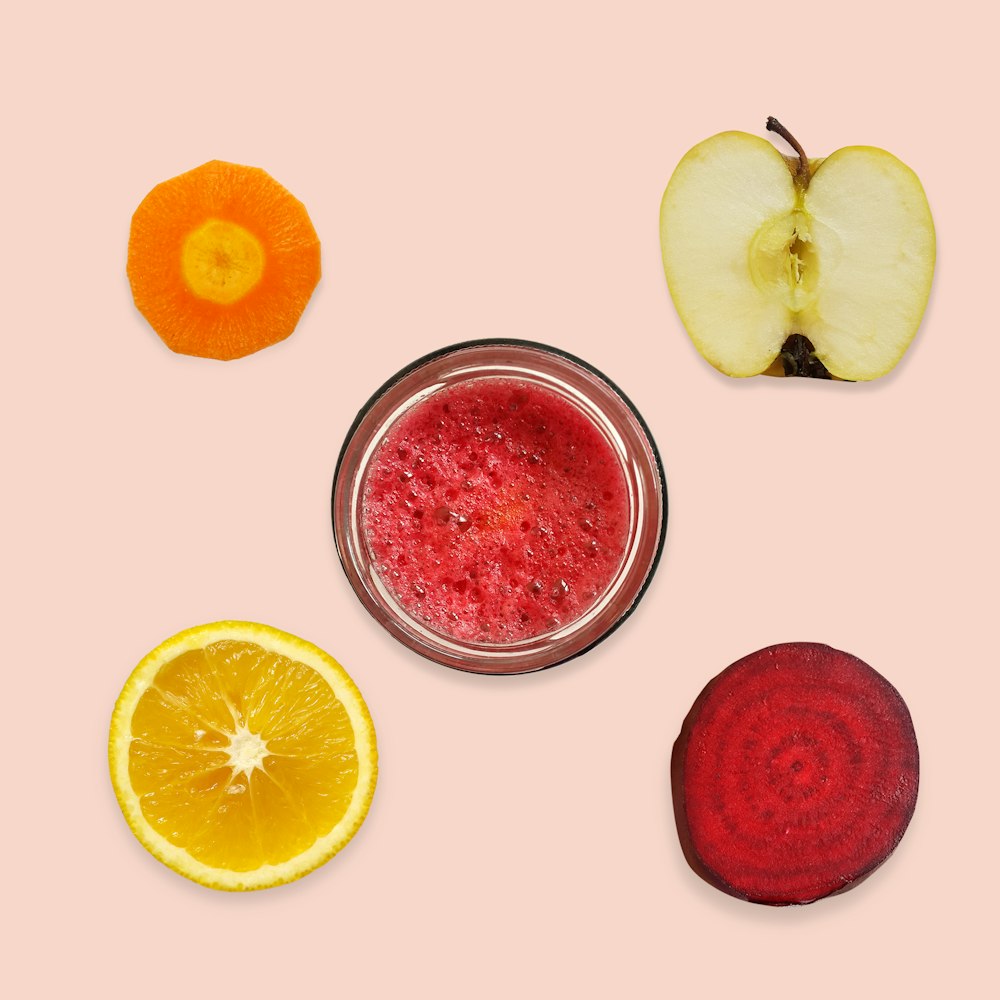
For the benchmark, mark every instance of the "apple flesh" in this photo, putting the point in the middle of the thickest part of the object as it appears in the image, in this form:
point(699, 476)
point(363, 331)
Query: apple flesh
point(797, 266)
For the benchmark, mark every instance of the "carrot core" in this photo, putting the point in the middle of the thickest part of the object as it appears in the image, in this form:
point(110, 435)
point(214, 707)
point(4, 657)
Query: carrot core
point(221, 261)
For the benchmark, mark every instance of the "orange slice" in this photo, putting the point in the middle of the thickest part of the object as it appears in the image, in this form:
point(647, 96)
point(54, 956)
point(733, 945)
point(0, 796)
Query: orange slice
point(242, 757)
point(222, 260)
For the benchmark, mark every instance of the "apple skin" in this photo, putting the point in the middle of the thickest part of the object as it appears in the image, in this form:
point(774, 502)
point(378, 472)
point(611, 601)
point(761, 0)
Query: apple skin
point(852, 230)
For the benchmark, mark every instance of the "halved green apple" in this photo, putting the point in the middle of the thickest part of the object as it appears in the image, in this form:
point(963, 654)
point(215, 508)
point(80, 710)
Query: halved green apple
point(792, 266)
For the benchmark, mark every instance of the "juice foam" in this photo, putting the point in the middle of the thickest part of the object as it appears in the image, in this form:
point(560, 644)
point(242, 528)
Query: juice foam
point(495, 510)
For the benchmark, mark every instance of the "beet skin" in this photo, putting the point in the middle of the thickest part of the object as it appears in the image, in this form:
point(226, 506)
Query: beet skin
point(795, 775)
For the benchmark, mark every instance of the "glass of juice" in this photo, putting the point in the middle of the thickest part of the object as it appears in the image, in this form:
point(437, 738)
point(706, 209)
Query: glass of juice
point(499, 506)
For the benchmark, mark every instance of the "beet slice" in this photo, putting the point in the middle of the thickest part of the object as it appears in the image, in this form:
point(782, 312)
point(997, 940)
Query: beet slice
point(795, 774)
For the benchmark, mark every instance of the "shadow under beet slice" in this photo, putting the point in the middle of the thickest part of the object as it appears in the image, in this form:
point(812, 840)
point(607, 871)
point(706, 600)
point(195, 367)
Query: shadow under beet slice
point(795, 774)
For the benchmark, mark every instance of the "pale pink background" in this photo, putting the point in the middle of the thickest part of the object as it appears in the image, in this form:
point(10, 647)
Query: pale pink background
point(485, 170)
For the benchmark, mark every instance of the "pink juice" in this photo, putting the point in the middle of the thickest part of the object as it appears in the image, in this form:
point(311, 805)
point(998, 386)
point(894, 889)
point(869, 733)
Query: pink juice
point(495, 510)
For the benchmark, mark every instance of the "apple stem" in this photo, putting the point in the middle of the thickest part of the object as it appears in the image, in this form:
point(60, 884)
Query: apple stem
point(803, 174)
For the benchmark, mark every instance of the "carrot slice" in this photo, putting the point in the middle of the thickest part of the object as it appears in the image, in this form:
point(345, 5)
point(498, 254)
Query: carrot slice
point(795, 775)
point(222, 260)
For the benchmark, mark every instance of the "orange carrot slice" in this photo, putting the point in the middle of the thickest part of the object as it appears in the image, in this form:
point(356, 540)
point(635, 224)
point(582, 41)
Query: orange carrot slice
point(222, 260)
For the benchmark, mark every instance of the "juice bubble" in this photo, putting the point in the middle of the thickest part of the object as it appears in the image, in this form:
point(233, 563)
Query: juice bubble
point(514, 484)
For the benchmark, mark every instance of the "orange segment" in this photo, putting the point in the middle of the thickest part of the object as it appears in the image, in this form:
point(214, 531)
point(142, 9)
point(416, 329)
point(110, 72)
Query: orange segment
point(222, 260)
point(242, 756)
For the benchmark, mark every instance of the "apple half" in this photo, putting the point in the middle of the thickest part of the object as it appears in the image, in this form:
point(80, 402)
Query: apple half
point(797, 266)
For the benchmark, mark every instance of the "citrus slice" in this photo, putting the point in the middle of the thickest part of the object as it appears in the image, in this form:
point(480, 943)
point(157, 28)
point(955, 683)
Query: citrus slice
point(222, 260)
point(242, 756)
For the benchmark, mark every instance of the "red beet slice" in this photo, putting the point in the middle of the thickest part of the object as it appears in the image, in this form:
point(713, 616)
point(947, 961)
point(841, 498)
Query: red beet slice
point(795, 774)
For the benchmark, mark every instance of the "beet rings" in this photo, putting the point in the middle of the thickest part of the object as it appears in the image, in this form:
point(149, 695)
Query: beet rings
point(795, 775)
